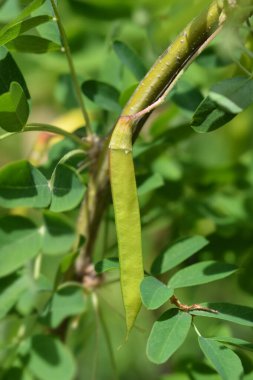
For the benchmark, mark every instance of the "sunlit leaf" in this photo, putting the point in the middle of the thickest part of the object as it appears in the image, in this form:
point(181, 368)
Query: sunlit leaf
point(50, 358)
point(225, 100)
point(103, 94)
point(201, 273)
point(67, 301)
point(14, 109)
point(167, 335)
point(32, 6)
point(21, 184)
point(33, 44)
point(67, 188)
point(10, 72)
point(225, 361)
point(107, 264)
point(177, 253)
point(59, 149)
point(11, 289)
point(9, 33)
point(243, 315)
point(59, 235)
point(48, 30)
point(154, 293)
point(20, 241)
point(236, 342)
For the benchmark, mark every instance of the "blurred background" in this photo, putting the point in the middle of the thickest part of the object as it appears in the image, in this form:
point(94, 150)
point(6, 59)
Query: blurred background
point(203, 182)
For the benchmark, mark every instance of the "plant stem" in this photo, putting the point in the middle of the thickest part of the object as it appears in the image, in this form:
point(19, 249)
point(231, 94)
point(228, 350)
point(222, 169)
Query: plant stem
point(95, 308)
point(197, 35)
point(173, 82)
point(71, 67)
point(39, 127)
point(187, 308)
point(106, 234)
point(108, 342)
point(196, 329)
point(94, 204)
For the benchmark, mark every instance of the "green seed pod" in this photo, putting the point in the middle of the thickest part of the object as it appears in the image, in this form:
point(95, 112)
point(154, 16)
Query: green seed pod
point(127, 216)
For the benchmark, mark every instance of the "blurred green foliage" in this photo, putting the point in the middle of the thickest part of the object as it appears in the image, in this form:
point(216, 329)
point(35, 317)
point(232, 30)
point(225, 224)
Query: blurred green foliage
point(201, 185)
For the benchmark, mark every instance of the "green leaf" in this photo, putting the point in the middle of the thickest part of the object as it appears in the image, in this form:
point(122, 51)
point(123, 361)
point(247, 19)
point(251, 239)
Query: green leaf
point(49, 30)
point(20, 242)
point(201, 273)
point(72, 154)
point(68, 301)
point(11, 289)
point(199, 370)
point(47, 128)
point(225, 100)
point(176, 376)
point(16, 373)
point(50, 359)
point(101, 10)
point(126, 94)
point(130, 59)
point(10, 32)
point(67, 188)
point(59, 149)
point(178, 252)
point(14, 109)
point(225, 361)
point(103, 94)
point(154, 293)
point(64, 92)
point(68, 261)
point(211, 58)
point(59, 235)
point(167, 335)
point(22, 185)
point(36, 295)
point(245, 278)
point(170, 169)
point(152, 183)
point(236, 342)
point(33, 44)
point(186, 96)
point(32, 6)
point(108, 264)
point(9, 72)
point(243, 315)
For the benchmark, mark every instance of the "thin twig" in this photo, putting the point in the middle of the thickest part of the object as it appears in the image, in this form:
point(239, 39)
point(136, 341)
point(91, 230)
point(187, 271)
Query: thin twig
point(196, 329)
point(106, 234)
point(41, 127)
point(71, 67)
point(187, 308)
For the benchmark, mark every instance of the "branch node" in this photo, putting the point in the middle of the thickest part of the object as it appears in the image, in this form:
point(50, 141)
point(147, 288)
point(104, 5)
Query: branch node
point(187, 308)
